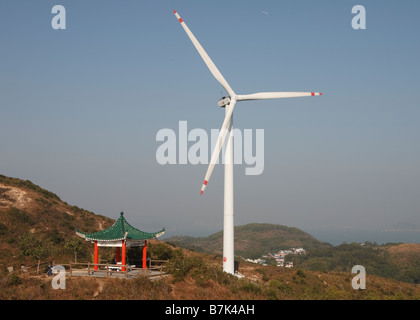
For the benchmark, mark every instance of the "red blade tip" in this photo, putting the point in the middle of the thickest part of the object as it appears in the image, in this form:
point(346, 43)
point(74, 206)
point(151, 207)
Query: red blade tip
point(174, 11)
point(201, 192)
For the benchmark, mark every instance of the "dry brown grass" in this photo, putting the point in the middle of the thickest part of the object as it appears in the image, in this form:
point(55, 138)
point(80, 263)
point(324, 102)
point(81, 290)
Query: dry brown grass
point(405, 248)
point(260, 283)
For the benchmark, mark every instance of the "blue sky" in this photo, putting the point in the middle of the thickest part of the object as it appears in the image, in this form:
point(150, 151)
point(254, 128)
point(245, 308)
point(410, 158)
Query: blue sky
point(80, 108)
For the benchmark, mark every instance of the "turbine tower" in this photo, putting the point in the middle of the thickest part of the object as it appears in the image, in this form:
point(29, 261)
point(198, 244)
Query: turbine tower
point(227, 131)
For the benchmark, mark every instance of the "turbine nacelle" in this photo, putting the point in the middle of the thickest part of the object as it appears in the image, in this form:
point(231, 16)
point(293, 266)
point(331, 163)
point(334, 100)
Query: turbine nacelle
point(223, 102)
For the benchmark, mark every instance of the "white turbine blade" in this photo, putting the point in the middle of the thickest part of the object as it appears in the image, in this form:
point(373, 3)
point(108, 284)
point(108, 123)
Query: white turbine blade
point(276, 95)
point(220, 140)
point(213, 69)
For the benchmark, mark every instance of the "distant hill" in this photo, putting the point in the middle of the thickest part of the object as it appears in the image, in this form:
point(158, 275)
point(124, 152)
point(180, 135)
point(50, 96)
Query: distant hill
point(252, 240)
point(395, 261)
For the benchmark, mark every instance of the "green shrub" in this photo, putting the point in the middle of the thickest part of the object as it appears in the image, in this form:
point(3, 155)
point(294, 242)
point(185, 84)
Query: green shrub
point(3, 229)
point(280, 286)
point(300, 273)
point(32, 245)
point(160, 251)
point(14, 280)
point(180, 265)
point(20, 216)
point(250, 287)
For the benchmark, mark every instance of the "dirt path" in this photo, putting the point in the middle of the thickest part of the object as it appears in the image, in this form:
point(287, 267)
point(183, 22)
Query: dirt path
point(100, 288)
point(12, 196)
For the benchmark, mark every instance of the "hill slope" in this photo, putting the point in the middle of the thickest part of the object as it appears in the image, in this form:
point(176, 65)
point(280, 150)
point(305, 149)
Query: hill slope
point(198, 276)
point(252, 240)
point(35, 224)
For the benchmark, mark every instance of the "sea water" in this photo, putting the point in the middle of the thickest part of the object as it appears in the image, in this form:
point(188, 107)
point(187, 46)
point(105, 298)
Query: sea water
point(339, 236)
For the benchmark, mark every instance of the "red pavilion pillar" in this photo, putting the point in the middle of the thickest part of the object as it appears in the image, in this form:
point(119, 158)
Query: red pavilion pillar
point(123, 255)
point(96, 256)
point(145, 255)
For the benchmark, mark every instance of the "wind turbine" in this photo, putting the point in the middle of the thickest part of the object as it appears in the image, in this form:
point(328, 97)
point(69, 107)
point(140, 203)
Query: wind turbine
point(227, 130)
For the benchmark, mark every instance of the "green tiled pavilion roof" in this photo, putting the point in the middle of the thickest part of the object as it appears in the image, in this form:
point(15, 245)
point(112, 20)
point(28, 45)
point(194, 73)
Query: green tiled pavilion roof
point(120, 230)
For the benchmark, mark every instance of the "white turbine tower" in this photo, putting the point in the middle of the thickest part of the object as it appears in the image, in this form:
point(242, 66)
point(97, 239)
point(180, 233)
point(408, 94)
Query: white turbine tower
point(227, 130)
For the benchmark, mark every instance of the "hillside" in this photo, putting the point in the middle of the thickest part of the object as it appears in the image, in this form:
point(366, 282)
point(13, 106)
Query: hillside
point(252, 240)
point(199, 276)
point(36, 225)
point(394, 261)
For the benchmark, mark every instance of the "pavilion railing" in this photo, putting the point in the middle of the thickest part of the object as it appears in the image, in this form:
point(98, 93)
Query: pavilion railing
point(88, 269)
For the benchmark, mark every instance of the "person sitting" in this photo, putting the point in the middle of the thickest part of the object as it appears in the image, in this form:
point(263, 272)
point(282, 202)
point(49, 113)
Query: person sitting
point(50, 269)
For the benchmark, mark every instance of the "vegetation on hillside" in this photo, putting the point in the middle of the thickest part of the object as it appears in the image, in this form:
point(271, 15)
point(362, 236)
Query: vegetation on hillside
point(376, 259)
point(35, 225)
point(27, 184)
point(41, 227)
point(199, 276)
point(252, 240)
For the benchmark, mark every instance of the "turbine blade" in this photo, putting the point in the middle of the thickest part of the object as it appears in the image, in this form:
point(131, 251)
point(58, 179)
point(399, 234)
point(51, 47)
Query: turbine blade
point(220, 140)
point(276, 95)
point(213, 69)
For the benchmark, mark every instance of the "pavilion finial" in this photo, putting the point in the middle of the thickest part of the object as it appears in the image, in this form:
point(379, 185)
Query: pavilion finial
point(121, 213)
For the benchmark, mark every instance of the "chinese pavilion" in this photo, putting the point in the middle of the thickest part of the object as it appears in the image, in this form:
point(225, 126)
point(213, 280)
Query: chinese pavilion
point(120, 235)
